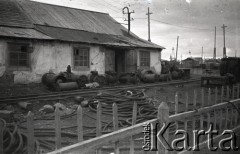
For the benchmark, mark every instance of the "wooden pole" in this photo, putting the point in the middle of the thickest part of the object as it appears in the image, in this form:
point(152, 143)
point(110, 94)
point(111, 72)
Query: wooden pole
point(163, 117)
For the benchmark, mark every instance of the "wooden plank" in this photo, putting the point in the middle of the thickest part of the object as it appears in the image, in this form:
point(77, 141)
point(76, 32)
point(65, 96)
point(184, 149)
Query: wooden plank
point(215, 119)
point(201, 125)
point(238, 90)
point(216, 95)
point(209, 97)
point(194, 99)
point(57, 129)
point(208, 120)
point(233, 89)
point(99, 124)
point(231, 118)
point(99, 120)
point(163, 117)
point(115, 127)
point(80, 123)
point(176, 108)
point(202, 97)
point(226, 118)
point(2, 123)
point(236, 117)
point(227, 95)
point(30, 133)
point(221, 120)
point(222, 93)
point(134, 119)
point(186, 102)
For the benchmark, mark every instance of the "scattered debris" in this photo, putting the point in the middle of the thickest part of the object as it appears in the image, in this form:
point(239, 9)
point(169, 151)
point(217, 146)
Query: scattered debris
point(47, 109)
point(84, 103)
point(9, 108)
point(25, 105)
point(6, 115)
point(60, 106)
point(92, 85)
point(78, 99)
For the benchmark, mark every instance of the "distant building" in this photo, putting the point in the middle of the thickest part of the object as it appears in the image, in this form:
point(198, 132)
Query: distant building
point(191, 62)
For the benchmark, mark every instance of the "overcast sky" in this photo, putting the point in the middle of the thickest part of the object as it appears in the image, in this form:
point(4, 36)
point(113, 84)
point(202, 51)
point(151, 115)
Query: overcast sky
point(192, 20)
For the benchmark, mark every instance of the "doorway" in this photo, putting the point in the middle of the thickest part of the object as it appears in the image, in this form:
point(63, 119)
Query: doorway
point(120, 61)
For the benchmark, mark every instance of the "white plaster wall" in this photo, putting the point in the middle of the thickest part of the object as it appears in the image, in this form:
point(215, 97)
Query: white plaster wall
point(51, 56)
point(3, 48)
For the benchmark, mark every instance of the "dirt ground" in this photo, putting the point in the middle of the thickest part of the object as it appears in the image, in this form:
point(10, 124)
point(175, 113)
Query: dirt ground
point(165, 93)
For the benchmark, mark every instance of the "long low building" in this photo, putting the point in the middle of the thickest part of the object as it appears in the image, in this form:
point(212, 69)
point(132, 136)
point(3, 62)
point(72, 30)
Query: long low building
point(36, 38)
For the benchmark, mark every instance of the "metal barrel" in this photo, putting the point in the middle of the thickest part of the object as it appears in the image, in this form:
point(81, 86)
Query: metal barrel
point(66, 86)
point(49, 79)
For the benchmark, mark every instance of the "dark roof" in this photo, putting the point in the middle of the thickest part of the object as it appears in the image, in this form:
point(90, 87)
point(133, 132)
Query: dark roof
point(12, 15)
point(96, 38)
point(23, 33)
point(68, 24)
point(189, 59)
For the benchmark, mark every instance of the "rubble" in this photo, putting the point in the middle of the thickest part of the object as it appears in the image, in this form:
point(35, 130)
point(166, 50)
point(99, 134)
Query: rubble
point(60, 106)
point(92, 85)
point(7, 115)
point(25, 105)
point(47, 109)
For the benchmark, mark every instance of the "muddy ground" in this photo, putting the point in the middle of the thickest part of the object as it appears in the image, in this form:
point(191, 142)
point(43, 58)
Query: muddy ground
point(45, 120)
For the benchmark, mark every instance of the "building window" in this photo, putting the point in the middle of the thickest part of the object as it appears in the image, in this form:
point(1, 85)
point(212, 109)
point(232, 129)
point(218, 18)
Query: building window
point(18, 54)
point(81, 57)
point(145, 58)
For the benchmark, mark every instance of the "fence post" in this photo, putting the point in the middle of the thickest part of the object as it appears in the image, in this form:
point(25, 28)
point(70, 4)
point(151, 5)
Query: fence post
point(238, 90)
point(226, 118)
point(99, 124)
point(57, 128)
point(115, 127)
point(176, 108)
point(1, 135)
point(134, 118)
point(30, 133)
point(80, 123)
point(227, 96)
point(202, 97)
point(220, 119)
point(186, 102)
point(216, 95)
point(163, 117)
point(209, 97)
point(233, 89)
point(222, 93)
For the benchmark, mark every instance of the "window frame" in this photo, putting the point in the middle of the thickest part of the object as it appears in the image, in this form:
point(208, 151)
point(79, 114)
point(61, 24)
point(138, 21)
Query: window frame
point(18, 67)
point(147, 59)
point(79, 67)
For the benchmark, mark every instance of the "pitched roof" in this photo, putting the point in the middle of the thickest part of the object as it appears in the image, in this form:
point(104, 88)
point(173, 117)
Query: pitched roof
point(69, 24)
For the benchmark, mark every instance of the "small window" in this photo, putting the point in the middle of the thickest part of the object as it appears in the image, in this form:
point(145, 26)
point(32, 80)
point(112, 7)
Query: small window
point(145, 58)
point(81, 57)
point(18, 55)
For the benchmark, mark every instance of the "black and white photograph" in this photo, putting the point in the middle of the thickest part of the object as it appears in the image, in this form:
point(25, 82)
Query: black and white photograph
point(119, 76)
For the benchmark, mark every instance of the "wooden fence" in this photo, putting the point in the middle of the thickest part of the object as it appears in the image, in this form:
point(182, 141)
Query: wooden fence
point(216, 110)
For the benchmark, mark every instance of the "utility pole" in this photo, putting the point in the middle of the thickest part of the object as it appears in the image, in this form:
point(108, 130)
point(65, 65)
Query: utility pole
point(173, 52)
point(214, 50)
point(148, 14)
point(129, 17)
point(202, 55)
point(224, 47)
point(235, 53)
point(177, 48)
